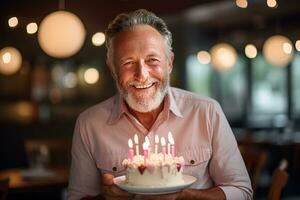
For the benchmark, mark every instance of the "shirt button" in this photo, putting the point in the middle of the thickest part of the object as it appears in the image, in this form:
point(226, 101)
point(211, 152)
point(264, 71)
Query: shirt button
point(192, 162)
point(114, 169)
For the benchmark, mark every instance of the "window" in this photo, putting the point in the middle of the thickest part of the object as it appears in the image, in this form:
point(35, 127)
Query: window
point(198, 76)
point(228, 87)
point(269, 88)
point(296, 85)
point(233, 94)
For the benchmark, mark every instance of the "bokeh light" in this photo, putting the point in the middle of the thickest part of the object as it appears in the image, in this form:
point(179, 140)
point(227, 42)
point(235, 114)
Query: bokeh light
point(223, 56)
point(278, 50)
point(250, 51)
point(91, 76)
point(31, 28)
point(10, 60)
point(203, 57)
point(61, 34)
point(98, 39)
point(13, 22)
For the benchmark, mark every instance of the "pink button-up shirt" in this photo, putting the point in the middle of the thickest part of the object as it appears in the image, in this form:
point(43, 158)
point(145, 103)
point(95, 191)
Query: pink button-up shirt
point(201, 132)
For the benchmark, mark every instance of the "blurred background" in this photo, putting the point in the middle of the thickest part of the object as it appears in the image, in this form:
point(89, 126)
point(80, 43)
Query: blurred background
point(243, 53)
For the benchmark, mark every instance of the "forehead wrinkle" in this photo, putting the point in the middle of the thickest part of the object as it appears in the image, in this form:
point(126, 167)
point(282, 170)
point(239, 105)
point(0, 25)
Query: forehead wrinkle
point(137, 40)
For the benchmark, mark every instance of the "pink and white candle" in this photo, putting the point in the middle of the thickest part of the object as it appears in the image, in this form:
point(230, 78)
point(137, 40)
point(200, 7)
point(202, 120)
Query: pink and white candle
point(172, 143)
point(156, 144)
point(130, 150)
point(136, 141)
point(146, 152)
point(148, 143)
point(163, 146)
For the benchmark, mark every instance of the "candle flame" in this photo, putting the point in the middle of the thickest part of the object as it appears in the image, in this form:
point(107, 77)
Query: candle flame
point(136, 139)
point(145, 146)
point(170, 138)
point(156, 139)
point(147, 140)
point(163, 141)
point(130, 143)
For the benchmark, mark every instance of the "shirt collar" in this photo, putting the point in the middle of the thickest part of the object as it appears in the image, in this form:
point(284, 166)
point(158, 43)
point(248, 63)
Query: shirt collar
point(119, 107)
point(172, 104)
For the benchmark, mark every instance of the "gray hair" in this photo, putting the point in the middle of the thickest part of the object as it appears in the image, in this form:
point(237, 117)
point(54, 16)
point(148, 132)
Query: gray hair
point(139, 17)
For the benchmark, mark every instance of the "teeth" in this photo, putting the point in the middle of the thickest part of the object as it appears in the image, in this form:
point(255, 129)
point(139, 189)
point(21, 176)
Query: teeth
point(143, 86)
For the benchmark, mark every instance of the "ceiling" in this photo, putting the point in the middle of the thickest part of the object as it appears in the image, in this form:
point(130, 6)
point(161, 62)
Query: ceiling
point(95, 14)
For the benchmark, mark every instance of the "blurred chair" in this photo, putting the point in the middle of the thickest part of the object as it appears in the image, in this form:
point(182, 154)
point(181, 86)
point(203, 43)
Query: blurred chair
point(255, 160)
point(279, 181)
point(4, 185)
point(50, 152)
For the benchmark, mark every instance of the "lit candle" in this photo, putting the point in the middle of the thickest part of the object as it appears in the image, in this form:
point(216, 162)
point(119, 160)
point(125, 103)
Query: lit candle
point(156, 143)
point(169, 145)
point(163, 146)
point(145, 148)
point(172, 143)
point(148, 143)
point(169, 148)
point(136, 141)
point(130, 151)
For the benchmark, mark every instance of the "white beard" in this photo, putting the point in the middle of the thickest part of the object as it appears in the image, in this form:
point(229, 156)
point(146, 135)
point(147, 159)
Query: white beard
point(144, 105)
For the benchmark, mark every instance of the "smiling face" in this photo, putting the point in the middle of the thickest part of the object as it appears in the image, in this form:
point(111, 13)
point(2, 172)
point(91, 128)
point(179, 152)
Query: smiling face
point(141, 67)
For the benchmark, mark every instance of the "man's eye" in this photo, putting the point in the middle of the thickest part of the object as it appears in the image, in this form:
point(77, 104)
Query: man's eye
point(128, 63)
point(153, 60)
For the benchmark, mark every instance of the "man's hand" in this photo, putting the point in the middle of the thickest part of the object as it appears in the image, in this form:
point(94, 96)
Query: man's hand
point(214, 193)
point(172, 196)
point(111, 192)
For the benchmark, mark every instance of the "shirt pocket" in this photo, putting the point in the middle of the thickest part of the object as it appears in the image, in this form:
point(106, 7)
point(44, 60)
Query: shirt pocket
point(112, 164)
point(196, 161)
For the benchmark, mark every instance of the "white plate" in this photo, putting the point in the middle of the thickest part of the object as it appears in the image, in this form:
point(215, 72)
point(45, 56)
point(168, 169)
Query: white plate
point(154, 190)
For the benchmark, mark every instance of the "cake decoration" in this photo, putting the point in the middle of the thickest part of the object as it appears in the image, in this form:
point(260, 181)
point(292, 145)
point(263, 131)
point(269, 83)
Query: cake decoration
point(153, 168)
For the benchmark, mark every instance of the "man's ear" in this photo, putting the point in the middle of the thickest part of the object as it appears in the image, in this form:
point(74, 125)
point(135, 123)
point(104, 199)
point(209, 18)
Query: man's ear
point(170, 62)
point(111, 69)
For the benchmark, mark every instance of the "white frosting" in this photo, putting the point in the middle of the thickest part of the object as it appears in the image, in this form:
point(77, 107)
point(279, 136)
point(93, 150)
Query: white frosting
point(158, 170)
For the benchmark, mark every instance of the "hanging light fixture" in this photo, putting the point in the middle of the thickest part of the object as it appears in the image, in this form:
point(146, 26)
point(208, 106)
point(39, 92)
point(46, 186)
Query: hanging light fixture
point(31, 28)
point(278, 50)
point(241, 3)
point(91, 76)
point(223, 56)
point(297, 45)
point(203, 57)
point(98, 39)
point(61, 34)
point(272, 3)
point(13, 22)
point(250, 51)
point(10, 60)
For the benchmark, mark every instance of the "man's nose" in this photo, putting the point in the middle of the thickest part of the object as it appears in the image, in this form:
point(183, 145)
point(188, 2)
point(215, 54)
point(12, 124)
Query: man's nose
point(142, 71)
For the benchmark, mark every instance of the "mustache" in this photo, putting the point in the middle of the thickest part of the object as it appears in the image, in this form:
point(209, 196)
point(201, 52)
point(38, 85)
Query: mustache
point(138, 83)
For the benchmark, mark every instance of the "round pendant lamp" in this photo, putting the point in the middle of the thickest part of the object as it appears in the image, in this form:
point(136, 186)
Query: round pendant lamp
point(61, 34)
point(223, 56)
point(10, 60)
point(278, 50)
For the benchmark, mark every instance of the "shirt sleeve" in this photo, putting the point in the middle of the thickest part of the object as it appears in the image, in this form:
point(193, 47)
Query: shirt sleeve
point(84, 178)
point(227, 167)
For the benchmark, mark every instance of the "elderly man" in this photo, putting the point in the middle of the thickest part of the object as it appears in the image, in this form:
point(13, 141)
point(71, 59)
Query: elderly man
point(139, 56)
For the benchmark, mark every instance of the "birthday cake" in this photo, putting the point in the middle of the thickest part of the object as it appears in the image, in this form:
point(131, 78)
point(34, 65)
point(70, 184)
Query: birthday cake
point(157, 171)
point(153, 168)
